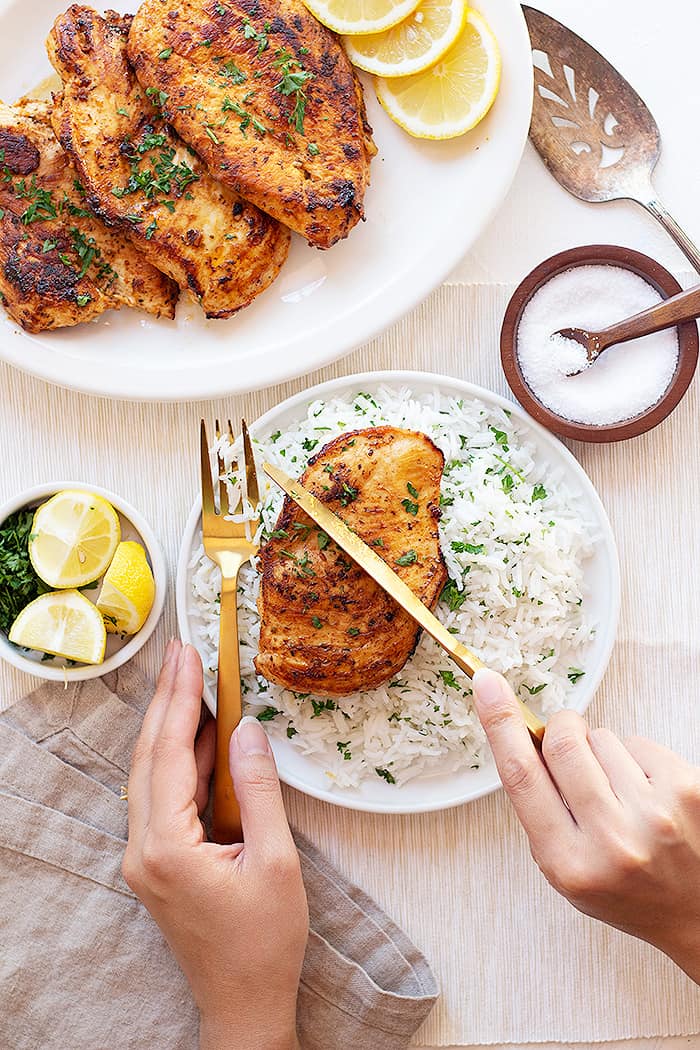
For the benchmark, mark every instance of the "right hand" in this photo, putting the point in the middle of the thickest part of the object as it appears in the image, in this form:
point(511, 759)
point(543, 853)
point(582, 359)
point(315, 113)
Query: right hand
point(614, 827)
point(234, 916)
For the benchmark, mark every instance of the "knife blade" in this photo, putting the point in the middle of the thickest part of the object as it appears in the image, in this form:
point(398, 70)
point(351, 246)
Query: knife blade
point(390, 581)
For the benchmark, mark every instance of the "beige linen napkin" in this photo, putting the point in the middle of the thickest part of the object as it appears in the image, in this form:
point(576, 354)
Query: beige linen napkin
point(84, 966)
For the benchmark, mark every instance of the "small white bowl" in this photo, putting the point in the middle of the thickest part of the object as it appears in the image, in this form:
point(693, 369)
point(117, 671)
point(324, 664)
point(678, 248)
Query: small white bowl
point(134, 527)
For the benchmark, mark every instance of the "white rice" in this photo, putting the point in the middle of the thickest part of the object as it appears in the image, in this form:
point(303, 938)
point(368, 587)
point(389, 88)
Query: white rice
point(518, 598)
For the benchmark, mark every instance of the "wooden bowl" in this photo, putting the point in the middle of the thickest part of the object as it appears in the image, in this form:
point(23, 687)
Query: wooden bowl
point(597, 255)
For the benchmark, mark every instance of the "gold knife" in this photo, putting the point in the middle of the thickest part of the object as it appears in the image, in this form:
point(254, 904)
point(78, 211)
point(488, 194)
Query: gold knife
point(390, 581)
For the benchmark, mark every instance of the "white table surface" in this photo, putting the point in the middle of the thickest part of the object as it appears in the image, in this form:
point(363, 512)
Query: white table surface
point(655, 47)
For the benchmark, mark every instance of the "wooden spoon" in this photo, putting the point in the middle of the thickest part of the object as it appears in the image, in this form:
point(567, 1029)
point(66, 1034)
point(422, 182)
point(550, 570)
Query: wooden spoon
point(679, 308)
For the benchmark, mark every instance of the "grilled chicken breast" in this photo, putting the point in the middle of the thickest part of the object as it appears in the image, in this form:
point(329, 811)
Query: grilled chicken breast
point(59, 265)
point(326, 626)
point(267, 97)
point(140, 177)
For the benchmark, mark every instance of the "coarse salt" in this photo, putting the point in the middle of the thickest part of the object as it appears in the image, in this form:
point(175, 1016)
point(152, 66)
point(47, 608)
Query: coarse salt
point(627, 379)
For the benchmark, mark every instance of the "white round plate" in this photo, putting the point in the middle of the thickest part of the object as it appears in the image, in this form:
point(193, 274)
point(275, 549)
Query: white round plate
point(602, 579)
point(119, 650)
point(427, 204)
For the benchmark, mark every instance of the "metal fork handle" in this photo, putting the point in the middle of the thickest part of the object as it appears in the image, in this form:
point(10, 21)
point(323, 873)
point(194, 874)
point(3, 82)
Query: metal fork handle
point(655, 207)
point(227, 815)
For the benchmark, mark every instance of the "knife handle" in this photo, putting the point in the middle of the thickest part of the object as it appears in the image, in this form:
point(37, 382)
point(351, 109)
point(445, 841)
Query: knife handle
point(470, 664)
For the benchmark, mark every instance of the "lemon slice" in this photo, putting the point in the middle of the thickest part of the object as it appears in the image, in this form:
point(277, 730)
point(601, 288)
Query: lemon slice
point(128, 590)
point(414, 44)
point(74, 537)
point(360, 16)
point(63, 623)
point(452, 96)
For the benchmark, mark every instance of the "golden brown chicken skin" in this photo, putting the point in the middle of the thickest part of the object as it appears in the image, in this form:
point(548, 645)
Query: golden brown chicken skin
point(140, 177)
point(267, 97)
point(59, 265)
point(326, 626)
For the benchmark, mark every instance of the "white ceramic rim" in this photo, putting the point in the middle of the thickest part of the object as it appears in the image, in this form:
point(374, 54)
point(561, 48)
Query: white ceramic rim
point(411, 379)
point(13, 656)
point(322, 346)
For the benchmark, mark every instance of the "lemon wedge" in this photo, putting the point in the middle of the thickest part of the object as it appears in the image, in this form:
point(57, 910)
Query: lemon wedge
point(74, 537)
point(62, 623)
point(454, 94)
point(414, 44)
point(128, 590)
point(360, 16)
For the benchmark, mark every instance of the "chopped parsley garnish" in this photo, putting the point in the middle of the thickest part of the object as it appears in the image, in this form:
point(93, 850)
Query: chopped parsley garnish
point(343, 746)
point(378, 542)
point(385, 775)
point(165, 54)
point(48, 247)
point(467, 548)
point(409, 507)
point(267, 714)
point(312, 149)
point(291, 731)
point(276, 436)
point(83, 300)
point(501, 437)
point(316, 622)
point(158, 98)
point(251, 33)
point(232, 73)
point(533, 690)
point(453, 596)
point(539, 492)
point(309, 444)
point(42, 204)
point(449, 679)
point(412, 490)
point(157, 178)
point(353, 631)
point(573, 674)
point(19, 584)
point(212, 135)
point(319, 706)
point(123, 112)
point(323, 540)
point(151, 229)
point(292, 83)
point(349, 494)
point(408, 558)
point(507, 483)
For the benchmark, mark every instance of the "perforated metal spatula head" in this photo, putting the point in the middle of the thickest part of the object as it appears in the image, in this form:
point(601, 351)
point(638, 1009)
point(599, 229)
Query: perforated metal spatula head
point(591, 128)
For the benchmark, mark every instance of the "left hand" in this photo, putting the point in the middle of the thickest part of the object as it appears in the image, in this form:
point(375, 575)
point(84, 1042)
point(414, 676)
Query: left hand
point(234, 916)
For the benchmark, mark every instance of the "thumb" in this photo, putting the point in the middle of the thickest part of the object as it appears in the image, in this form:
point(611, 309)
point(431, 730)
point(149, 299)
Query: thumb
point(265, 828)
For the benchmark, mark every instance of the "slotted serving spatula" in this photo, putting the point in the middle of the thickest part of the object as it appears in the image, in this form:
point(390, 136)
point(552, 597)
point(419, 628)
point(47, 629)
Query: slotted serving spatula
point(591, 128)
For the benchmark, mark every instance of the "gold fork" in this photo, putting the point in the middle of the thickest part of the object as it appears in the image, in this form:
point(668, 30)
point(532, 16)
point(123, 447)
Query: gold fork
point(227, 545)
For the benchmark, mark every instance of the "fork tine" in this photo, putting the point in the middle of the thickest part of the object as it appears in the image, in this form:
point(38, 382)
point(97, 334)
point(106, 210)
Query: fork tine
point(207, 482)
point(223, 491)
point(251, 475)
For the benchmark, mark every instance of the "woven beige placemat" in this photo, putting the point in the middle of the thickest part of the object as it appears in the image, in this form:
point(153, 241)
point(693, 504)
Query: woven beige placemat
point(515, 962)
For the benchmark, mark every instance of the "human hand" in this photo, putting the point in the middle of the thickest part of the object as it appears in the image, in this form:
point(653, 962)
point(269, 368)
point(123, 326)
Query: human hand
point(625, 846)
point(235, 916)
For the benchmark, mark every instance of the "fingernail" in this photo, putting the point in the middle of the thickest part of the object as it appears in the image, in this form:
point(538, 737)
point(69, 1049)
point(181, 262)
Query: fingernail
point(488, 686)
point(251, 737)
point(170, 651)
